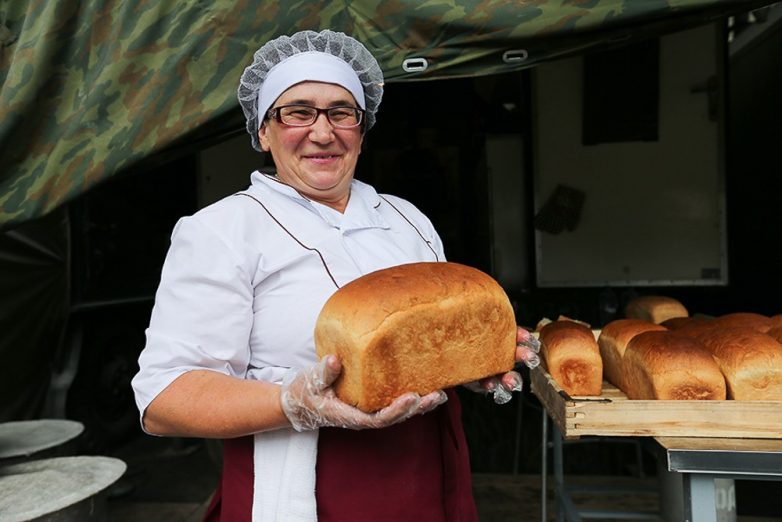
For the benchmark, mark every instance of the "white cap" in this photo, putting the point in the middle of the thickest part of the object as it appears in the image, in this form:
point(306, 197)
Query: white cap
point(314, 66)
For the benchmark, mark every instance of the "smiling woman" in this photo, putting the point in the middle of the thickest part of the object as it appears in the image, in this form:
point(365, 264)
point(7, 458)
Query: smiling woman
point(230, 351)
point(319, 159)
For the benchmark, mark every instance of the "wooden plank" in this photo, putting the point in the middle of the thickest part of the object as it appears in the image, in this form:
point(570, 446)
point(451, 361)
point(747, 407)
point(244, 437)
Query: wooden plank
point(721, 444)
point(613, 414)
point(550, 395)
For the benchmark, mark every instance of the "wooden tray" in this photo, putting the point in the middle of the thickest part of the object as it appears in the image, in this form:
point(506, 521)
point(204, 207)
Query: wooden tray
point(613, 414)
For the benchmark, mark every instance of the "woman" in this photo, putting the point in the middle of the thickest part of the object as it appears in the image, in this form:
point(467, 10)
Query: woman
point(229, 349)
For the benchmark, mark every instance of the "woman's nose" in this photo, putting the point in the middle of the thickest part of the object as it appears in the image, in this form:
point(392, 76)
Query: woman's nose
point(321, 131)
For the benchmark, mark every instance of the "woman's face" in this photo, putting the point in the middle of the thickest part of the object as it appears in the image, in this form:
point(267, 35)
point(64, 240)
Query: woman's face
point(319, 160)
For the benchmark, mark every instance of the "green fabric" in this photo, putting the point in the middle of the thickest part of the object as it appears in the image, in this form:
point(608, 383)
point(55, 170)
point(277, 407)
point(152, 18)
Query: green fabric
point(92, 87)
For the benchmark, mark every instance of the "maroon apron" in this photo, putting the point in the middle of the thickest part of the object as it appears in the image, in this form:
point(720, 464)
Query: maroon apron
point(416, 470)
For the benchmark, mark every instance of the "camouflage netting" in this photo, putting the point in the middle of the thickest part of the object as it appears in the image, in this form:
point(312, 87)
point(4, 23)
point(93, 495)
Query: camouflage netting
point(89, 88)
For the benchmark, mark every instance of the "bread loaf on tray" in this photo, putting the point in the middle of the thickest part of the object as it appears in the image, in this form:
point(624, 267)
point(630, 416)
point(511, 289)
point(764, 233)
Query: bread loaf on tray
point(613, 341)
point(666, 366)
point(655, 308)
point(417, 327)
point(750, 361)
point(752, 321)
point(572, 357)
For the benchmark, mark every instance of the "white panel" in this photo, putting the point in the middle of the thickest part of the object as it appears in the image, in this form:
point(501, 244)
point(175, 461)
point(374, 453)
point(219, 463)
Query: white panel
point(654, 211)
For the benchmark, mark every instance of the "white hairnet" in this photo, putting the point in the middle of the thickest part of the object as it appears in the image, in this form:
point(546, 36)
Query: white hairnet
point(276, 51)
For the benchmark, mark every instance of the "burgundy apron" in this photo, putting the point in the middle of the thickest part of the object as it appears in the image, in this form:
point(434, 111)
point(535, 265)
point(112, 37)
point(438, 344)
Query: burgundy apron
point(416, 470)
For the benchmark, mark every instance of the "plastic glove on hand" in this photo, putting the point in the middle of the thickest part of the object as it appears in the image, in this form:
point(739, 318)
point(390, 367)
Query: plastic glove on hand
point(502, 386)
point(309, 402)
point(527, 348)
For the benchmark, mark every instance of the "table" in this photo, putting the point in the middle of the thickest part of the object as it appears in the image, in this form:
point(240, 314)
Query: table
point(701, 460)
point(565, 508)
point(61, 488)
point(23, 439)
point(698, 460)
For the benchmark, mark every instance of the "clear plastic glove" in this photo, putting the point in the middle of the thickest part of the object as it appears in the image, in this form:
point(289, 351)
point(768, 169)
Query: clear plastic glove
point(309, 401)
point(501, 387)
point(527, 349)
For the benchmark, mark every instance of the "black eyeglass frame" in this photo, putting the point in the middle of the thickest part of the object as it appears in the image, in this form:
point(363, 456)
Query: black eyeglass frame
point(274, 113)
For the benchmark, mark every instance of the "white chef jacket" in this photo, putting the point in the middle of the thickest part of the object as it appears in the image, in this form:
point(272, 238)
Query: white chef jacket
point(245, 278)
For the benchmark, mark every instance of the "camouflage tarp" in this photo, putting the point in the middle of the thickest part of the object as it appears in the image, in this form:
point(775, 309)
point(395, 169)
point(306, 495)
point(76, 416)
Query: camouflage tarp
point(91, 87)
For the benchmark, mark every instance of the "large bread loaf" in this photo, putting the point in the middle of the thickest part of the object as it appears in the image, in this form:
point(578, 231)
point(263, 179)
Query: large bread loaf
point(613, 341)
point(666, 366)
point(572, 357)
point(417, 327)
point(751, 362)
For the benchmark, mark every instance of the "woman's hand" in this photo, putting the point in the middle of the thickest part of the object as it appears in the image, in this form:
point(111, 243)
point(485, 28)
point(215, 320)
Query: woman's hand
point(309, 402)
point(527, 348)
point(502, 386)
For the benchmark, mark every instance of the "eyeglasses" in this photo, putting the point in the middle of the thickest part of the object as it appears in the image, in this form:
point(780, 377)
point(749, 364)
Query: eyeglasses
point(305, 115)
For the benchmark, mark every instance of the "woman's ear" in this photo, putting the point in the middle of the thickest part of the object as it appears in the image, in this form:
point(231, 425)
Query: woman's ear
point(263, 138)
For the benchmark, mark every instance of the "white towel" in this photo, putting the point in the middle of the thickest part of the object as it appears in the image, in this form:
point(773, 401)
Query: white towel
point(284, 482)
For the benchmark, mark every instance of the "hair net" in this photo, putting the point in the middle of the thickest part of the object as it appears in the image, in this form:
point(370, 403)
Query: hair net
point(276, 51)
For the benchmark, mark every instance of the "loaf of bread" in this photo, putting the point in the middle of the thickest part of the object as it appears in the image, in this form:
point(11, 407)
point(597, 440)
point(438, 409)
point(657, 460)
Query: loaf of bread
point(750, 361)
point(572, 357)
point(417, 327)
point(694, 329)
point(757, 322)
point(677, 323)
point(654, 308)
point(613, 341)
point(663, 365)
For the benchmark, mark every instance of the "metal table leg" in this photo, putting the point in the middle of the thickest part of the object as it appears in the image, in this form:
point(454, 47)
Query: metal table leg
point(699, 498)
point(544, 467)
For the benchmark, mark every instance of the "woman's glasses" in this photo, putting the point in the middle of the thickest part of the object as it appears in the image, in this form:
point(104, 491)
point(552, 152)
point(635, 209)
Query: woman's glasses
point(305, 115)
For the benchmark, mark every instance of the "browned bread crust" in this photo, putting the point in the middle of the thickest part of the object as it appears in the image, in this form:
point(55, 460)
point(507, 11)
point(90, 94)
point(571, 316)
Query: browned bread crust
point(676, 323)
point(417, 327)
point(572, 357)
point(666, 366)
point(613, 341)
point(751, 362)
point(655, 308)
point(776, 333)
point(696, 328)
point(757, 322)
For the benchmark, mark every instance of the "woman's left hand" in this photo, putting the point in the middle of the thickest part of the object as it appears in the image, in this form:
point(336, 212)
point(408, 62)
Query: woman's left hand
point(502, 386)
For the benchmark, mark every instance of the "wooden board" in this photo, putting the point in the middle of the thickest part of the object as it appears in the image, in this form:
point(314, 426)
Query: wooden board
point(613, 414)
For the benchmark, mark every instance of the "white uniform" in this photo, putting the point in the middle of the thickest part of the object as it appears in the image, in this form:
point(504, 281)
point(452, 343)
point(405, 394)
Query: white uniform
point(246, 277)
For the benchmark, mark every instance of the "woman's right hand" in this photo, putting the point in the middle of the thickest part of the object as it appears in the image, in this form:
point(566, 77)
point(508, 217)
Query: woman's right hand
point(309, 402)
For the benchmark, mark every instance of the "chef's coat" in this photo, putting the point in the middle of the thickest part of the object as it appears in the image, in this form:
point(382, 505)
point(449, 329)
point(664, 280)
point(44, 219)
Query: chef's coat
point(245, 278)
